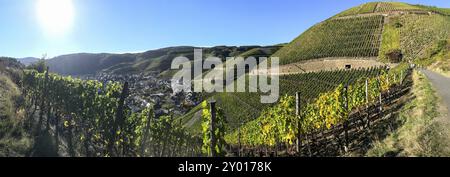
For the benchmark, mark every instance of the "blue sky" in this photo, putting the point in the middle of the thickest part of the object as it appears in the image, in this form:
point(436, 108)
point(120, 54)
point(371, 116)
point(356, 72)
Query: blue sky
point(119, 26)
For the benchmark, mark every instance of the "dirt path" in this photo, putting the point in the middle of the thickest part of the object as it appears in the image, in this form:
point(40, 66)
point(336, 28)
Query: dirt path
point(441, 84)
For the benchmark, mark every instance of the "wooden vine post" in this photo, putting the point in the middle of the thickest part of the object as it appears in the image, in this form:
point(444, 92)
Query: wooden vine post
point(387, 80)
point(70, 144)
point(212, 129)
point(401, 77)
point(380, 96)
point(367, 102)
point(345, 125)
point(297, 114)
point(367, 92)
point(48, 106)
point(119, 120)
point(239, 137)
point(395, 78)
point(44, 94)
point(147, 131)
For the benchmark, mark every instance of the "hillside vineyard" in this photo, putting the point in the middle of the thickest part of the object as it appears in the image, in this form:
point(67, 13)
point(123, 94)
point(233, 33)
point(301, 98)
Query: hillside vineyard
point(347, 37)
point(345, 84)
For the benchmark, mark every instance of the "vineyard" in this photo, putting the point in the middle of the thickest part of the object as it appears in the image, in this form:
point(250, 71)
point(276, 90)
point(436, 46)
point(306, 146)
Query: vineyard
point(370, 30)
point(243, 107)
point(351, 37)
point(312, 84)
point(285, 122)
point(353, 135)
point(386, 7)
point(361, 9)
point(442, 11)
point(320, 113)
point(396, 6)
point(91, 119)
point(419, 32)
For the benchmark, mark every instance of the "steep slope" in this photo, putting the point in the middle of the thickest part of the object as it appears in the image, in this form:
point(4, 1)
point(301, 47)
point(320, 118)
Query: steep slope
point(361, 32)
point(83, 63)
point(361, 9)
point(419, 32)
point(388, 7)
point(13, 139)
point(246, 106)
point(350, 37)
point(370, 31)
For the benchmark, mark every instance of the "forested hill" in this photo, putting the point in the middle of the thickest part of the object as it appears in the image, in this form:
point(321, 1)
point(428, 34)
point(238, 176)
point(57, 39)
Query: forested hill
point(151, 61)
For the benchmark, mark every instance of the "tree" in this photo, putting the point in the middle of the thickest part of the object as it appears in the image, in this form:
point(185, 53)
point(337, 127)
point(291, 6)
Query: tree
point(39, 66)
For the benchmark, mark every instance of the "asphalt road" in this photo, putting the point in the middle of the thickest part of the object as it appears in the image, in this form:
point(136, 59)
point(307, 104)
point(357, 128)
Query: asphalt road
point(441, 84)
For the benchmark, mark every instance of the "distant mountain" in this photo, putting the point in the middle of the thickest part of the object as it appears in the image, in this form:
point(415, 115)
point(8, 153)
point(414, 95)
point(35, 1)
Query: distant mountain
point(28, 60)
point(6, 62)
point(151, 61)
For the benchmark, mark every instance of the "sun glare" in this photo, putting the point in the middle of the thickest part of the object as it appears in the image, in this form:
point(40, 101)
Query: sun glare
point(55, 16)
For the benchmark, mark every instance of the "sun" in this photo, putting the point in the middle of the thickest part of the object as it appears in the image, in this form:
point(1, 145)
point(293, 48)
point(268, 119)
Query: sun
point(55, 16)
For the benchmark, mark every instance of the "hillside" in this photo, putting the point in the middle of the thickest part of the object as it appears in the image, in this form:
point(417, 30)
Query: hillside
point(13, 139)
point(11, 68)
point(373, 31)
point(151, 61)
point(344, 84)
point(370, 30)
point(244, 107)
point(28, 60)
point(383, 7)
point(352, 37)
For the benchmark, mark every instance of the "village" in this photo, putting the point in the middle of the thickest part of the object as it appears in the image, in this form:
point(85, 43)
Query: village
point(151, 91)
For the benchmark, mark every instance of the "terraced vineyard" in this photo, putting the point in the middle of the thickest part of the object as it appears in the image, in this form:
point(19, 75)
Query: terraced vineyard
point(420, 32)
point(104, 118)
point(383, 7)
point(368, 30)
point(442, 11)
point(350, 37)
point(279, 124)
point(396, 6)
point(361, 9)
point(312, 84)
point(246, 106)
point(358, 33)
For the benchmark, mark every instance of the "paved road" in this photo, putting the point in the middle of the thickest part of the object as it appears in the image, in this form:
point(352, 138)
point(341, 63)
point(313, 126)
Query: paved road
point(442, 85)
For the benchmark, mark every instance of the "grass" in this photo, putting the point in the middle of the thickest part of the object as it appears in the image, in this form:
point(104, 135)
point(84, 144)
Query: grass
point(8, 91)
point(438, 58)
point(390, 38)
point(13, 139)
point(424, 132)
point(442, 66)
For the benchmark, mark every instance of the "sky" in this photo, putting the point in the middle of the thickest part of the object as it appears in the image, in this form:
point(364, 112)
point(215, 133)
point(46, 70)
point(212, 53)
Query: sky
point(122, 26)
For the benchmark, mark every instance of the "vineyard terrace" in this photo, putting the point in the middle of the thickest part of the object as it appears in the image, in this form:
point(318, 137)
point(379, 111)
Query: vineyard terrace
point(231, 76)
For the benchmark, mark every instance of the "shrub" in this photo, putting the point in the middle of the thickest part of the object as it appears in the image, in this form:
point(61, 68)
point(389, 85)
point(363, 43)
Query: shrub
point(395, 55)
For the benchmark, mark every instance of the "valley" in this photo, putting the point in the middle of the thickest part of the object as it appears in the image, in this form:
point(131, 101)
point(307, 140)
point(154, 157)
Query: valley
point(343, 87)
